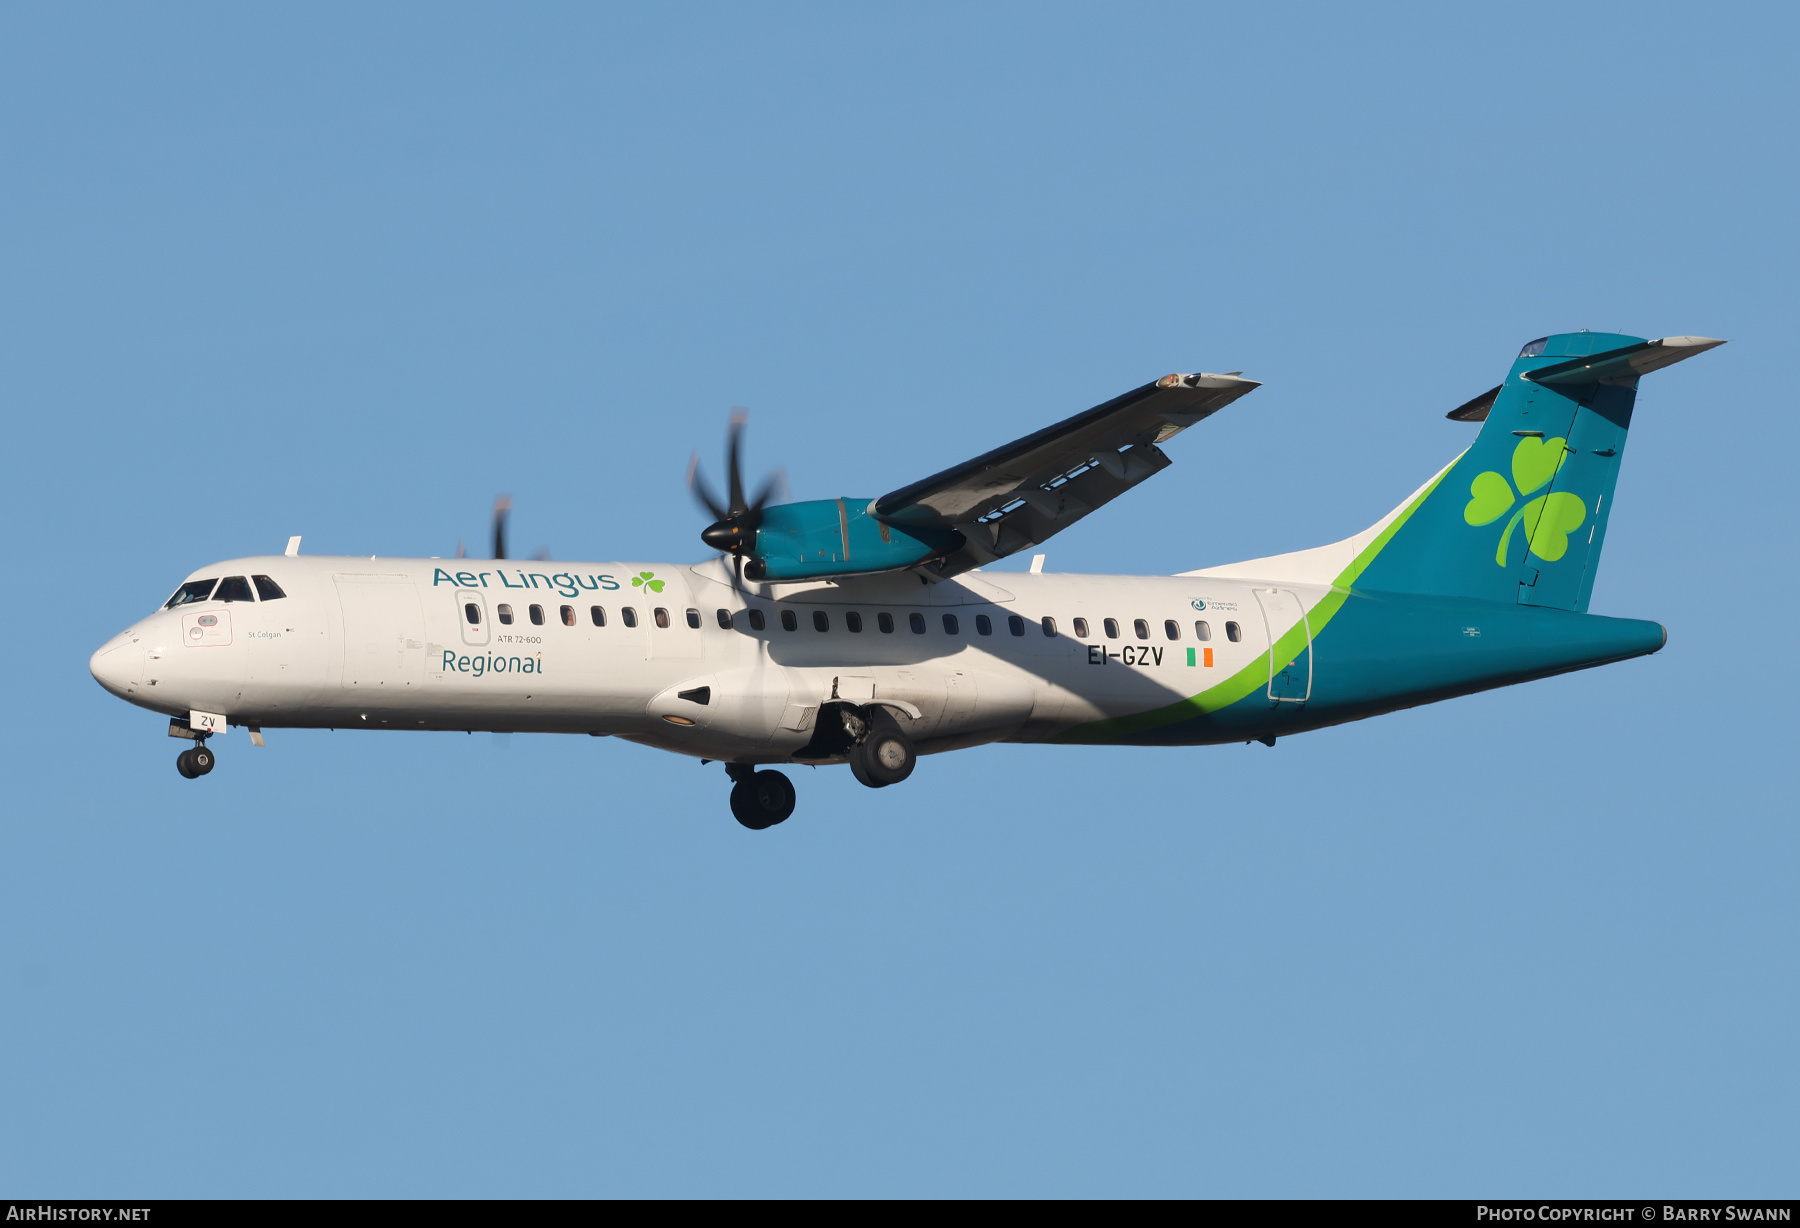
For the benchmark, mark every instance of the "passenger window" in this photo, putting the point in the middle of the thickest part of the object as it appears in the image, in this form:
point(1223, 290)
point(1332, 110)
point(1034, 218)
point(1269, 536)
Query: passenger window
point(724, 620)
point(472, 612)
point(917, 623)
point(1202, 630)
point(821, 622)
point(984, 625)
point(1233, 632)
point(1171, 628)
point(662, 618)
point(233, 588)
point(537, 615)
point(504, 612)
point(1112, 628)
point(885, 621)
point(853, 621)
point(757, 621)
point(1141, 627)
point(949, 624)
point(628, 615)
point(790, 621)
point(693, 619)
point(598, 614)
point(192, 591)
point(1081, 631)
point(568, 616)
point(267, 589)
point(1015, 624)
point(1049, 625)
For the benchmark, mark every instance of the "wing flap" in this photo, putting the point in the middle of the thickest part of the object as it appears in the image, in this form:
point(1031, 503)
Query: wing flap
point(1143, 416)
point(1020, 494)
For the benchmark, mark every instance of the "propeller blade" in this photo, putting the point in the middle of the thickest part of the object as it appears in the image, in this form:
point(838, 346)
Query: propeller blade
point(733, 458)
point(775, 484)
point(696, 484)
point(502, 505)
point(462, 551)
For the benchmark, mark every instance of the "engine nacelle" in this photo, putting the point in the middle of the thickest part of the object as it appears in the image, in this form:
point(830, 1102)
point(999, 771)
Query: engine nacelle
point(821, 538)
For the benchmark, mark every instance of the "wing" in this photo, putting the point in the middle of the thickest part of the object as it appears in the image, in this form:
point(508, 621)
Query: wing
point(1019, 495)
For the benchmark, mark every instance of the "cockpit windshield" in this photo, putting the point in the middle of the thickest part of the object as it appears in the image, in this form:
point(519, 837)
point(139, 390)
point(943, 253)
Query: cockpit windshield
point(192, 591)
point(233, 588)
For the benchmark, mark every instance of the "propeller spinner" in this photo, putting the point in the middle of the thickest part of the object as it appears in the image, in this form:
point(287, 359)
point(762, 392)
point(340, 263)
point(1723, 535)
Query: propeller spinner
point(734, 526)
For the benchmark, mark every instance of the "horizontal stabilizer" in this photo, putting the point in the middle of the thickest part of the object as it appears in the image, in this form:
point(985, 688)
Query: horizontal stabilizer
point(1623, 363)
point(1476, 410)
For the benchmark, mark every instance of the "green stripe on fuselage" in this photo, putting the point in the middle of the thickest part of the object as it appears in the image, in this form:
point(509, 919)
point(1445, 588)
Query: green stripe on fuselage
point(1245, 682)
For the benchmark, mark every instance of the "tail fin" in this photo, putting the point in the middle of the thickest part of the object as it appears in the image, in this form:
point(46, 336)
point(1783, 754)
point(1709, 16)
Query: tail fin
point(1521, 516)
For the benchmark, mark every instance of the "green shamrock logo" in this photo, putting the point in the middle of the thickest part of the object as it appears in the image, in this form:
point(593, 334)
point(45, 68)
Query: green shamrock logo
point(1548, 519)
point(647, 580)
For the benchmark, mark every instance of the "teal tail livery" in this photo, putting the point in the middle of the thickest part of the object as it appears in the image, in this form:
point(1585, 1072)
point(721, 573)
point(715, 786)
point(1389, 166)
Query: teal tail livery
point(1521, 516)
point(864, 631)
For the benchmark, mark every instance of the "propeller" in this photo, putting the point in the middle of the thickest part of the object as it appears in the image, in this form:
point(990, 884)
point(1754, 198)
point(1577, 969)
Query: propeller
point(502, 508)
point(502, 505)
point(733, 530)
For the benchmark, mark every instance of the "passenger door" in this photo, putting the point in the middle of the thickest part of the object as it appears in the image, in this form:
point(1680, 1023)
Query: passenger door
point(1290, 666)
point(472, 616)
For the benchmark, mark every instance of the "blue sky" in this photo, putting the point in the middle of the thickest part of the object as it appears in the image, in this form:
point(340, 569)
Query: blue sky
point(349, 271)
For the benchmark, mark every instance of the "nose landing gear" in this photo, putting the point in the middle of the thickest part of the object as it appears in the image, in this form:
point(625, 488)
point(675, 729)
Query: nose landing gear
point(195, 762)
point(759, 799)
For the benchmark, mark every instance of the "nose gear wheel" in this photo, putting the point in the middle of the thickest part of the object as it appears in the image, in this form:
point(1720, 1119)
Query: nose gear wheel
point(194, 762)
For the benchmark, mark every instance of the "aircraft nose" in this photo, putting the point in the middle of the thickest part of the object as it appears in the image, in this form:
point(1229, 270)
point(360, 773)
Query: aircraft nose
point(118, 665)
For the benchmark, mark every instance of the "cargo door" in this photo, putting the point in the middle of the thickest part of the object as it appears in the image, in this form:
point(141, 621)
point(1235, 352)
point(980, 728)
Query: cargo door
point(383, 633)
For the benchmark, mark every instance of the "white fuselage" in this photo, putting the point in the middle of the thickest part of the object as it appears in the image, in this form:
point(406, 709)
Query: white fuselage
point(611, 648)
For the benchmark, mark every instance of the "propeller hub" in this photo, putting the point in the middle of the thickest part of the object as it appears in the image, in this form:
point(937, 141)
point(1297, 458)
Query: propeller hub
point(728, 536)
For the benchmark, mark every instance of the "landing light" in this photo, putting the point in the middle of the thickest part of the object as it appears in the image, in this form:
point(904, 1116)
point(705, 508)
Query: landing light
point(678, 720)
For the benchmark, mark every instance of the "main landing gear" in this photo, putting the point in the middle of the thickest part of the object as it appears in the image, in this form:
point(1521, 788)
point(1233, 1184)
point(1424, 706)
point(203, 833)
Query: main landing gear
point(194, 762)
point(885, 756)
point(869, 740)
point(759, 799)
